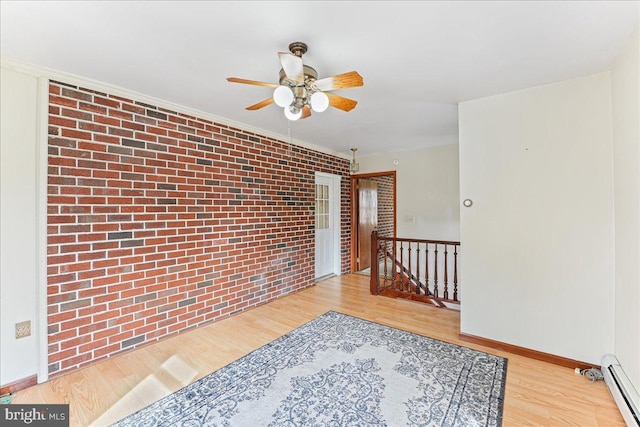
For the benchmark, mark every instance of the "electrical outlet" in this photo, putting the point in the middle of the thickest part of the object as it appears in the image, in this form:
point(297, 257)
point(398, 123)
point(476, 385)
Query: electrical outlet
point(23, 329)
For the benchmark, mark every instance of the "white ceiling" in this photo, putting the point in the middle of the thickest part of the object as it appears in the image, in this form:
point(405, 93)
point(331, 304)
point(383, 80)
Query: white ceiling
point(418, 59)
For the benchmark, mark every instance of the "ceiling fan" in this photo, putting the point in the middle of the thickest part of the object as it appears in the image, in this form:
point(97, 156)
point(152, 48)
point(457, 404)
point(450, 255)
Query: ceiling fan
point(299, 90)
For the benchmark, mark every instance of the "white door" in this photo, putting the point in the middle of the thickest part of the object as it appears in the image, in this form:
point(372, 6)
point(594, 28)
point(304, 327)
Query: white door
point(325, 223)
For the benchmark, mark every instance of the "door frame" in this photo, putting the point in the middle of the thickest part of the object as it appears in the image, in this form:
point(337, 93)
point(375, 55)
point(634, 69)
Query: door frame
point(337, 220)
point(354, 209)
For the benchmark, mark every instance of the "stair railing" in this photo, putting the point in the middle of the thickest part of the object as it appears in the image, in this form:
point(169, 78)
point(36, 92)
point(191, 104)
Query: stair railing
point(413, 268)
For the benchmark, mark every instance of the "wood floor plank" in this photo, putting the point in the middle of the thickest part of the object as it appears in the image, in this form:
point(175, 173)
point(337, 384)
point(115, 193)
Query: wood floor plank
point(537, 393)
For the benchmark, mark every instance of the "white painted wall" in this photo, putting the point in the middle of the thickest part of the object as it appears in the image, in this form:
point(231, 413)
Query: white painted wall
point(427, 190)
point(18, 223)
point(538, 264)
point(625, 95)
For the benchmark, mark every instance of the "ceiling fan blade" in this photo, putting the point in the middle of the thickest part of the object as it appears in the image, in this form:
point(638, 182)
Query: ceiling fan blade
point(341, 103)
point(250, 82)
point(341, 81)
point(306, 112)
point(292, 66)
point(261, 104)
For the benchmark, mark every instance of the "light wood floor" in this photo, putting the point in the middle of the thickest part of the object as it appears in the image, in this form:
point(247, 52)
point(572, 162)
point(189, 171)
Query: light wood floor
point(537, 393)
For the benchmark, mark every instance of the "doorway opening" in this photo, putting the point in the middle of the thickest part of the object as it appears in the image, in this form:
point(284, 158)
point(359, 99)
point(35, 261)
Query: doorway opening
point(373, 207)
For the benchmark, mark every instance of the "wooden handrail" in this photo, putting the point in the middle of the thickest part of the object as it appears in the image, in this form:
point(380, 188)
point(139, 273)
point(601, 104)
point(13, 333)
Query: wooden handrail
point(404, 239)
point(405, 279)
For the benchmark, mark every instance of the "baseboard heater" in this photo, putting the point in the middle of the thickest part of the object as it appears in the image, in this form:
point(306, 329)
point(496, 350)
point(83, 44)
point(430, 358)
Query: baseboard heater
point(623, 392)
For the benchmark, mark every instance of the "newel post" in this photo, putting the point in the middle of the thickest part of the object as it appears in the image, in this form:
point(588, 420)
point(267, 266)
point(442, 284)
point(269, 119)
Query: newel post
point(373, 283)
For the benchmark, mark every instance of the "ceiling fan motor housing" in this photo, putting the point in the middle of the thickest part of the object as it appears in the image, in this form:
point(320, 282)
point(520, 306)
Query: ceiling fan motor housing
point(301, 91)
point(310, 75)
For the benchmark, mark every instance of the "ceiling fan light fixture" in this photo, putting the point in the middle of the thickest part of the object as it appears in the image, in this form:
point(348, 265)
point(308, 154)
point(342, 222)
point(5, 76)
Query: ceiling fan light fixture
point(299, 91)
point(283, 96)
point(319, 102)
point(292, 113)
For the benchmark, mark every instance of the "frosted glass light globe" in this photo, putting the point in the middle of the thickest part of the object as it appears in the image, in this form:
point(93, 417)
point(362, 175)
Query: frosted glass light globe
point(291, 115)
point(283, 96)
point(319, 102)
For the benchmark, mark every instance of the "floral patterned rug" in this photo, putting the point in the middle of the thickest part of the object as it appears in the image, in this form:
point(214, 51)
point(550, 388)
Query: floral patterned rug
point(339, 370)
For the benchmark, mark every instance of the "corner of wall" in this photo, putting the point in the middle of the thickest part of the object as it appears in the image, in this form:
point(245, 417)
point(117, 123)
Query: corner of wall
point(625, 99)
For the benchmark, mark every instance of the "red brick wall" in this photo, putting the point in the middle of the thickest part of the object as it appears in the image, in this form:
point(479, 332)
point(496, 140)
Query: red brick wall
point(159, 221)
point(385, 204)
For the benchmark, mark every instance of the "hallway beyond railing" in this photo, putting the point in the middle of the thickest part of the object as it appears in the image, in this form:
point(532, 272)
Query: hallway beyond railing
point(421, 270)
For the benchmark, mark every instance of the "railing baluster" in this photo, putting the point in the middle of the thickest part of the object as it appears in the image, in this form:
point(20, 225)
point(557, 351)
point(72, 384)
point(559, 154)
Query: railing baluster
point(407, 280)
point(384, 267)
point(393, 252)
point(446, 278)
point(374, 280)
point(399, 280)
point(426, 270)
point(435, 271)
point(418, 269)
point(455, 273)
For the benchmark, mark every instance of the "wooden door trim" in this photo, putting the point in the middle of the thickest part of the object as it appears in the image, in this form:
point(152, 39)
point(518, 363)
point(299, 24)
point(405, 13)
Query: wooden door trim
point(354, 210)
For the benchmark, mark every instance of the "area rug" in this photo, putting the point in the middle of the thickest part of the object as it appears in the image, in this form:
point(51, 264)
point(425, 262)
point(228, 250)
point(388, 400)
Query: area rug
point(339, 370)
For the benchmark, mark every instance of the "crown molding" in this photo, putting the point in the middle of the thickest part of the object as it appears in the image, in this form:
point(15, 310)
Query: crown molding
point(37, 71)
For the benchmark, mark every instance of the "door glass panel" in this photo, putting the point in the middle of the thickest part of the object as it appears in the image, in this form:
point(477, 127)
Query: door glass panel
point(322, 206)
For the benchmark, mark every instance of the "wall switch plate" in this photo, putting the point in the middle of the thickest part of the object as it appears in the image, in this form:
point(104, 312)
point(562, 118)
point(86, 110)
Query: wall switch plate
point(23, 329)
